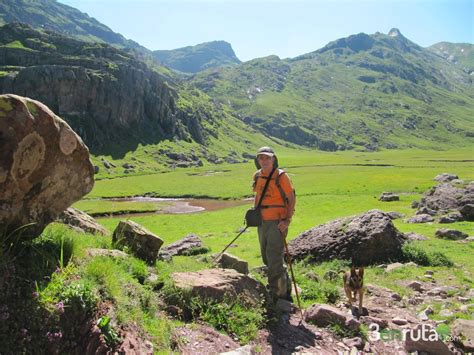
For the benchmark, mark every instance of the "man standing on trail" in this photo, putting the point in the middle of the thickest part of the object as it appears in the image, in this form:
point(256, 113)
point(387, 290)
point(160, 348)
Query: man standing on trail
point(277, 206)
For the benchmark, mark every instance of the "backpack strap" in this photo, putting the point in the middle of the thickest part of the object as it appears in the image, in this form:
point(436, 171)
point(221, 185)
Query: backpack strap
point(277, 183)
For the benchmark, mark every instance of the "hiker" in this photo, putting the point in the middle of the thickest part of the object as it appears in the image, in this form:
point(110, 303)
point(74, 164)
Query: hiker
point(277, 209)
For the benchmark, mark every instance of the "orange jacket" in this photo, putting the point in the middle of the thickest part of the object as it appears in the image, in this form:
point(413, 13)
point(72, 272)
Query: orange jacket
point(273, 205)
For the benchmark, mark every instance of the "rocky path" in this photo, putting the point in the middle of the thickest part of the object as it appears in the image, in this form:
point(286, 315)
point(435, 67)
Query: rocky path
point(383, 309)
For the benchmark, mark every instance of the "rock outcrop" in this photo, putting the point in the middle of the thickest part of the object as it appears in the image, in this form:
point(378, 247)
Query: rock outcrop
point(144, 244)
point(105, 94)
point(365, 239)
point(44, 166)
point(452, 197)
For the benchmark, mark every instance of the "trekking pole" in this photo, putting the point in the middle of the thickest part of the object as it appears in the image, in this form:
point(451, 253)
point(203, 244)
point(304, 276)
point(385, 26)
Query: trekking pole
point(288, 260)
point(228, 245)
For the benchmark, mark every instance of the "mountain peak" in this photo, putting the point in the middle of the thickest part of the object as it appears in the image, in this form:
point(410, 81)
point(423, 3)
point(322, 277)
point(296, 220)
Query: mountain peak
point(395, 32)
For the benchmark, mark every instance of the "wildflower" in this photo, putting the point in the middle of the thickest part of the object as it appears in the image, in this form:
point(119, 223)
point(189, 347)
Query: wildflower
point(53, 336)
point(35, 294)
point(60, 306)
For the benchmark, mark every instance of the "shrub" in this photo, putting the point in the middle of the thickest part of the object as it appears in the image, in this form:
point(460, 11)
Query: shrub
point(411, 252)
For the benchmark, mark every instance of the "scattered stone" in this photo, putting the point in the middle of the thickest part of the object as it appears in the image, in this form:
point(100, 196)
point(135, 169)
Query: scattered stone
point(421, 218)
point(451, 218)
point(367, 320)
point(463, 299)
point(415, 204)
point(423, 315)
point(180, 247)
point(412, 236)
point(389, 196)
point(144, 244)
point(446, 313)
point(415, 285)
point(463, 331)
point(399, 321)
point(395, 215)
point(44, 166)
point(425, 339)
point(396, 297)
point(228, 261)
point(467, 212)
point(393, 266)
point(311, 275)
point(81, 221)
point(356, 342)
point(415, 300)
point(450, 234)
point(365, 239)
point(445, 177)
point(429, 272)
point(217, 283)
point(112, 253)
point(323, 315)
point(243, 350)
point(426, 210)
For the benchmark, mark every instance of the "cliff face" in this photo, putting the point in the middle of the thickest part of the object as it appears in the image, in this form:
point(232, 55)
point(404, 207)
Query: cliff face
point(103, 93)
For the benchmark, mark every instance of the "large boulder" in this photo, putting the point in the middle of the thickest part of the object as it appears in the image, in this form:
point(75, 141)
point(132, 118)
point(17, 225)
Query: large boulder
point(44, 166)
point(81, 222)
point(324, 315)
point(365, 239)
point(217, 284)
point(143, 243)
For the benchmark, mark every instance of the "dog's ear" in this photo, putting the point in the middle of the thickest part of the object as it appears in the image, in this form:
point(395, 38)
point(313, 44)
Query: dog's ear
point(353, 271)
point(361, 271)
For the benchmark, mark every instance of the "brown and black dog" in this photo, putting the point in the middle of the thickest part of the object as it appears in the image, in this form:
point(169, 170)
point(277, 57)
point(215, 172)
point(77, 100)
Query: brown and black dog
point(354, 284)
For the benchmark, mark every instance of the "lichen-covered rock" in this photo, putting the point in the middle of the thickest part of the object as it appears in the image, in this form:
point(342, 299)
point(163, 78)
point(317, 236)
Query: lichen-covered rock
point(143, 244)
point(365, 239)
point(389, 196)
point(44, 166)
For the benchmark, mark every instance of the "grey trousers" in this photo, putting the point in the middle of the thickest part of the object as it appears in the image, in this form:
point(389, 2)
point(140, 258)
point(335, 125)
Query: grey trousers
point(272, 248)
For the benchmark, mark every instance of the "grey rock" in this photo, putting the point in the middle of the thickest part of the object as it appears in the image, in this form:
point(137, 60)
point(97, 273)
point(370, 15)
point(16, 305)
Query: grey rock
point(445, 177)
point(450, 234)
point(429, 343)
point(463, 330)
point(399, 321)
point(395, 215)
point(216, 284)
point(143, 244)
point(228, 261)
point(389, 196)
point(81, 221)
point(415, 285)
point(411, 236)
point(421, 218)
point(180, 247)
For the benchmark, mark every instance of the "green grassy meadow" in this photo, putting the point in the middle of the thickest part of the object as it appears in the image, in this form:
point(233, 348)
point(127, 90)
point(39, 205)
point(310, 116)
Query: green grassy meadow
point(328, 186)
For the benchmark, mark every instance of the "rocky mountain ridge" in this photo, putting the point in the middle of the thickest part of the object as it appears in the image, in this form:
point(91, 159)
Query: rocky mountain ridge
point(105, 94)
point(193, 59)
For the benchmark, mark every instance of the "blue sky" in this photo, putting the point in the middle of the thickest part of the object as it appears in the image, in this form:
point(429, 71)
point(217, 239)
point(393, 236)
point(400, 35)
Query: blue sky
point(257, 28)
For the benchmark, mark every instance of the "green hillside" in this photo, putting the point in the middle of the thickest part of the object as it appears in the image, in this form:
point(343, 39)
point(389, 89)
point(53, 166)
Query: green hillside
point(368, 92)
point(460, 54)
point(193, 59)
point(54, 16)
